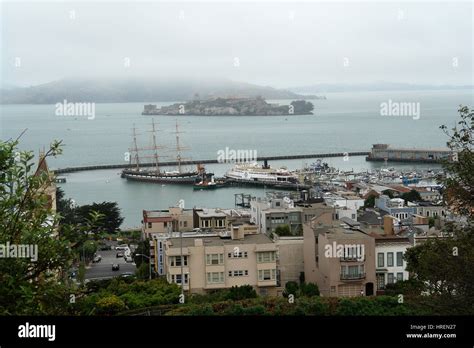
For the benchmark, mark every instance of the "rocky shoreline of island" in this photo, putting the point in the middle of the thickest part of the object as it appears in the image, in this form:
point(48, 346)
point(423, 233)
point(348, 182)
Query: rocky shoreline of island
point(231, 107)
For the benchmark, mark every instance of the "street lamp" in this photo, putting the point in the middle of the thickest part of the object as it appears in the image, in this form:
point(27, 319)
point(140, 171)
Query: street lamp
point(149, 262)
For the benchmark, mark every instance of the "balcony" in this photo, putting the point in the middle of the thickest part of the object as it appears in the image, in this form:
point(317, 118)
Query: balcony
point(355, 276)
point(351, 259)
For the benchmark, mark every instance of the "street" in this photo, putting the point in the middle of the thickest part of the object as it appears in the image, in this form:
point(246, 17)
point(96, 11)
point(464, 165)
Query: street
point(103, 269)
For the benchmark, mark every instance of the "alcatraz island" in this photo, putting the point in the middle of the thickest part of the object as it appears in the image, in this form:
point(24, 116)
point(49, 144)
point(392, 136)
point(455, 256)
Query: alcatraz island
point(231, 107)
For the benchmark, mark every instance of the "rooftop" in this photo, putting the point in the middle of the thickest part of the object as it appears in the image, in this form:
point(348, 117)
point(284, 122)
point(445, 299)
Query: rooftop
point(218, 241)
point(338, 233)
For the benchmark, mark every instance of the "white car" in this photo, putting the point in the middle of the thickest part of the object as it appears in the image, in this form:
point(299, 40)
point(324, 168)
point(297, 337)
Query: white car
point(121, 247)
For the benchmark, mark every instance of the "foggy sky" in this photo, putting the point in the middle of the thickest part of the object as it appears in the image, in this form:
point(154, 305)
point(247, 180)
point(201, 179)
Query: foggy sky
point(281, 44)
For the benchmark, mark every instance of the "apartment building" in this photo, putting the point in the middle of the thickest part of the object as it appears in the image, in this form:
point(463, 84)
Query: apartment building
point(268, 214)
point(340, 260)
point(221, 261)
point(390, 265)
point(210, 219)
point(395, 207)
point(174, 219)
point(429, 209)
point(344, 199)
point(318, 212)
point(290, 260)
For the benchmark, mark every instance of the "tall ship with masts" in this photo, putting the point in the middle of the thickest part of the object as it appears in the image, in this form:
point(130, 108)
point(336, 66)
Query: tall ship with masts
point(155, 172)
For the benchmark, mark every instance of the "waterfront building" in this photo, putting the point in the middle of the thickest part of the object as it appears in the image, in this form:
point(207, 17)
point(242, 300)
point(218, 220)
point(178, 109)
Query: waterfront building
point(384, 152)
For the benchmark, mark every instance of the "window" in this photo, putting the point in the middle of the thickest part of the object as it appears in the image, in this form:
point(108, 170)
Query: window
point(238, 273)
point(399, 276)
point(267, 256)
point(214, 259)
point(165, 224)
point(380, 259)
point(149, 225)
point(380, 281)
point(390, 279)
point(389, 259)
point(176, 278)
point(266, 274)
point(175, 261)
point(185, 224)
point(215, 277)
point(240, 254)
point(399, 258)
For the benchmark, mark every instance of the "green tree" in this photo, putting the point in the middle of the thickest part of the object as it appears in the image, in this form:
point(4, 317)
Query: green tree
point(241, 292)
point(27, 219)
point(369, 202)
point(309, 289)
point(110, 305)
point(412, 196)
point(443, 265)
point(388, 193)
point(283, 230)
point(291, 288)
point(459, 183)
point(32, 286)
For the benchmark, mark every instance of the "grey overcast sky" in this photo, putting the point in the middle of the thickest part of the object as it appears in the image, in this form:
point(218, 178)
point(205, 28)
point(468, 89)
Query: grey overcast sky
point(281, 44)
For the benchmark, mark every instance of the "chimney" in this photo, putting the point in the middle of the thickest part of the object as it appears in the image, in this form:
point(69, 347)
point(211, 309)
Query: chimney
point(237, 233)
point(388, 225)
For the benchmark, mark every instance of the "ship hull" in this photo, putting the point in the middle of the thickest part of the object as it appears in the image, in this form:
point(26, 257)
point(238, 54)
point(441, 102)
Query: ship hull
point(181, 179)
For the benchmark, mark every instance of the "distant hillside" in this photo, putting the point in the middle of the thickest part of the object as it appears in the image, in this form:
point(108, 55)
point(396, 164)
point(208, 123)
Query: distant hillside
point(368, 87)
point(137, 90)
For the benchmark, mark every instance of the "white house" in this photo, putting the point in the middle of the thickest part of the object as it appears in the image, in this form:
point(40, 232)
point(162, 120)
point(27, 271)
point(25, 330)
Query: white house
point(390, 266)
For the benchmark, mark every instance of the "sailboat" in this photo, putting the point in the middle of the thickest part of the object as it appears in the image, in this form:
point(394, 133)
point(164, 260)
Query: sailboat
point(156, 174)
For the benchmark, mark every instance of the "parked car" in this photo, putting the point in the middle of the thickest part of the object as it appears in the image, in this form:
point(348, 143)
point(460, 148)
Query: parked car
point(97, 258)
point(119, 254)
point(115, 267)
point(128, 258)
point(121, 247)
point(127, 274)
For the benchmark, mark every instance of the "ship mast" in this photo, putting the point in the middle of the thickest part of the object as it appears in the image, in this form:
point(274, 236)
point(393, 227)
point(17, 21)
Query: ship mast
point(155, 148)
point(178, 148)
point(135, 148)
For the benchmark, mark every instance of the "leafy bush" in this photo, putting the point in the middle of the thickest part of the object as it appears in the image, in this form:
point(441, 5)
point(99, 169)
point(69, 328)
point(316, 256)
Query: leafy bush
point(241, 292)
